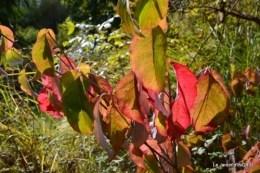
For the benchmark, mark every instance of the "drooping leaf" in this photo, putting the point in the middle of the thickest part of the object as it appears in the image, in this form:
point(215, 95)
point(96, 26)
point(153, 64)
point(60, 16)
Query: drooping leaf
point(127, 98)
point(99, 84)
point(50, 36)
point(150, 159)
point(13, 57)
point(67, 79)
point(183, 155)
point(99, 134)
point(158, 101)
point(136, 156)
point(150, 13)
point(228, 142)
point(42, 53)
point(148, 59)
point(66, 64)
point(46, 106)
point(141, 132)
point(6, 41)
point(123, 9)
point(76, 106)
point(180, 119)
point(160, 124)
point(22, 79)
point(117, 127)
point(252, 76)
point(211, 105)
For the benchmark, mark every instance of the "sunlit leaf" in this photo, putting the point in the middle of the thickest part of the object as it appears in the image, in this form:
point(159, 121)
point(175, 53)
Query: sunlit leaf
point(13, 57)
point(180, 119)
point(127, 98)
point(117, 127)
point(42, 53)
point(6, 41)
point(22, 79)
point(148, 59)
point(211, 105)
point(150, 12)
point(128, 24)
point(76, 106)
point(193, 140)
point(68, 78)
point(160, 124)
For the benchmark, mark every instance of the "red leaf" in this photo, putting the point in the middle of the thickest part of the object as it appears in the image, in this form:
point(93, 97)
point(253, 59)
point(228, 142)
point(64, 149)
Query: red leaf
point(66, 64)
point(99, 84)
point(140, 133)
point(7, 41)
point(180, 119)
point(46, 106)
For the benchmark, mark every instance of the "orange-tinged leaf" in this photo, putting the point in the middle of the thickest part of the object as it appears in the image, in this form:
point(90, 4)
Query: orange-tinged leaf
point(211, 105)
point(6, 41)
point(163, 24)
point(150, 12)
point(123, 9)
point(179, 120)
point(136, 156)
point(255, 168)
point(117, 127)
point(148, 59)
point(42, 55)
point(237, 87)
point(50, 36)
point(99, 84)
point(127, 98)
point(22, 79)
point(228, 142)
point(98, 132)
point(252, 76)
point(183, 155)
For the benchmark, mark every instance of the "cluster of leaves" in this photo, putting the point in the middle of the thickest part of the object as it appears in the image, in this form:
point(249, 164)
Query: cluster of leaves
point(140, 115)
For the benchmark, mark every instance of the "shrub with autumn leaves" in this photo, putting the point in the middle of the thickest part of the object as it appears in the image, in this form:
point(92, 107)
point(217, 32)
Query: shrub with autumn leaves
point(140, 114)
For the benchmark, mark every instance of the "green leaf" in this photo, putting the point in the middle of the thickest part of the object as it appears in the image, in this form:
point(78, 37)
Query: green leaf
point(148, 59)
point(150, 12)
point(76, 105)
point(71, 27)
point(6, 41)
point(123, 10)
point(211, 105)
point(42, 53)
point(13, 57)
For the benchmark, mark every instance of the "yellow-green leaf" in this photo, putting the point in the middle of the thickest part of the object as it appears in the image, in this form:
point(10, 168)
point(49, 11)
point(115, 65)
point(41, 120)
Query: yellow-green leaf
point(150, 12)
point(42, 52)
point(211, 105)
point(148, 59)
point(13, 57)
point(22, 79)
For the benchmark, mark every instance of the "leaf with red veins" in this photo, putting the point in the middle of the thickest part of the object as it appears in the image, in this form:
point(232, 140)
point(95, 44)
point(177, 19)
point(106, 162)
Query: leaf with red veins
point(127, 98)
point(46, 106)
point(66, 64)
